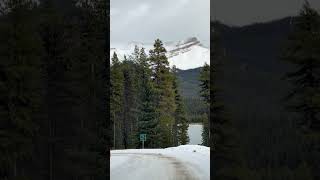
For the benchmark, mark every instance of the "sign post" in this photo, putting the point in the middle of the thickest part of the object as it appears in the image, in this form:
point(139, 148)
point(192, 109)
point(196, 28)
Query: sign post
point(143, 138)
point(142, 144)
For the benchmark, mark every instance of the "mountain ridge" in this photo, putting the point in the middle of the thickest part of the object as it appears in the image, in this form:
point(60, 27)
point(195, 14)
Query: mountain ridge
point(184, 54)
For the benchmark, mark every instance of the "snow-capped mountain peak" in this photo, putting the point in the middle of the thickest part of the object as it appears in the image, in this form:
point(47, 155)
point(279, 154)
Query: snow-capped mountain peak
point(184, 54)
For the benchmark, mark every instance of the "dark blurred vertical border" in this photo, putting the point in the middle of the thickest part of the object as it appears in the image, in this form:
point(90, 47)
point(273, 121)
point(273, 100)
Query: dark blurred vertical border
point(54, 90)
point(264, 92)
point(109, 123)
point(210, 122)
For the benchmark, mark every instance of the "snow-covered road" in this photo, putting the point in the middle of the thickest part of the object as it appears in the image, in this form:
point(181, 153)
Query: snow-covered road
point(179, 163)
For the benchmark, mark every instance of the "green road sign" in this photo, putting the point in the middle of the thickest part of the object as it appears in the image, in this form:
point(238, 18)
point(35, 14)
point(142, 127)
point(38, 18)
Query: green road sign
point(143, 137)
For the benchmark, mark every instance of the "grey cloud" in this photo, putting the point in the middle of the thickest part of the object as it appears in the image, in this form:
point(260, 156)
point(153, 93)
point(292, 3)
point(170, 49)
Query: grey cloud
point(169, 20)
point(172, 20)
point(241, 12)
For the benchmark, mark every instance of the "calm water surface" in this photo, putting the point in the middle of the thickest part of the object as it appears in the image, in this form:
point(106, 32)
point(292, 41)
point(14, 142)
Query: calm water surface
point(194, 132)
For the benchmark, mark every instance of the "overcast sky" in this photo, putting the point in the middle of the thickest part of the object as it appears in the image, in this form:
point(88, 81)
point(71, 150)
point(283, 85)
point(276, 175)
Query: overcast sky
point(173, 20)
point(169, 20)
point(242, 12)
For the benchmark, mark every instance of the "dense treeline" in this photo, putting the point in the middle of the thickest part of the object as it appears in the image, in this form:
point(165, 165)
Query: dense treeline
point(145, 100)
point(221, 132)
point(268, 142)
point(195, 108)
point(53, 84)
point(205, 94)
point(189, 87)
point(303, 52)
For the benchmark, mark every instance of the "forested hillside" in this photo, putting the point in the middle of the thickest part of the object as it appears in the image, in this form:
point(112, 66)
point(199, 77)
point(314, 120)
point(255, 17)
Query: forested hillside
point(53, 90)
point(189, 85)
point(258, 75)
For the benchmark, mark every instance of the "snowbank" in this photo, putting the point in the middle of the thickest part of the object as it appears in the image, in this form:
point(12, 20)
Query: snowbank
point(195, 158)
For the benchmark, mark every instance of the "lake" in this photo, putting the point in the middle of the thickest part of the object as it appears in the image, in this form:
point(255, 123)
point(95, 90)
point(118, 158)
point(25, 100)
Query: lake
point(194, 132)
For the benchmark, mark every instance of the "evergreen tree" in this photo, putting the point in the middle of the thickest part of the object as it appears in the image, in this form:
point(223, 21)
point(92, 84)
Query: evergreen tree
point(20, 87)
point(101, 125)
point(180, 128)
point(205, 130)
point(136, 54)
point(205, 94)
point(222, 141)
point(116, 98)
point(147, 123)
point(205, 83)
point(66, 119)
point(53, 83)
point(303, 52)
point(164, 93)
point(86, 76)
point(130, 102)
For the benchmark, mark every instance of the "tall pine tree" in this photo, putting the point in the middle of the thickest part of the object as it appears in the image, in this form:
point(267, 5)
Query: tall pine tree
point(181, 124)
point(116, 98)
point(303, 52)
point(147, 122)
point(164, 93)
point(130, 102)
point(205, 94)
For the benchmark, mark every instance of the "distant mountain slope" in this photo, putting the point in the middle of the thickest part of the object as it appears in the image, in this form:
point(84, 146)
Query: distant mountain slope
point(190, 91)
point(189, 82)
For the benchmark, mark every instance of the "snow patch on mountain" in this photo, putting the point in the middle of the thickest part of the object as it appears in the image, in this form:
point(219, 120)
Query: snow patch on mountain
point(185, 54)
